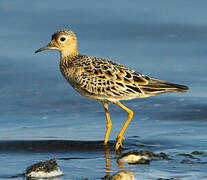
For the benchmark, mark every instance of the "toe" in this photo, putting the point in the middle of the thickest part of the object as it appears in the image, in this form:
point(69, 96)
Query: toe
point(118, 142)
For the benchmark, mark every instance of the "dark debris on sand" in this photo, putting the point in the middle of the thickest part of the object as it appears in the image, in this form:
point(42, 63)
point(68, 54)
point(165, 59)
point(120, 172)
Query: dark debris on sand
point(167, 179)
point(193, 157)
point(197, 153)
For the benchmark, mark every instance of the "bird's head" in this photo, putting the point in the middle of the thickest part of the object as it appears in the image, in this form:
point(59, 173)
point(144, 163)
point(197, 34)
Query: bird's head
point(64, 41)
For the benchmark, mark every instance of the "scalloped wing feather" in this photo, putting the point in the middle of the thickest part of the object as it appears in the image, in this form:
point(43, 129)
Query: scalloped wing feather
point(107, 79)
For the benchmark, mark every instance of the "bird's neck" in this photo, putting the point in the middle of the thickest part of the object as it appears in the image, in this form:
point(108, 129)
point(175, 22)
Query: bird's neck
point(69, 52)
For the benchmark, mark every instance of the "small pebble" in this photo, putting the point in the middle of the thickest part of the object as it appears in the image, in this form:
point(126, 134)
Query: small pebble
point(167, 179)
point(187, 155)
point(122, 175)
point(197, 153)
point(141, 157)
point(44, 169)
point(187, 161)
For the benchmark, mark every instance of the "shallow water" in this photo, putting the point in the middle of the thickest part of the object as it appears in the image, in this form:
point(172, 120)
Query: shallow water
point(42, 117)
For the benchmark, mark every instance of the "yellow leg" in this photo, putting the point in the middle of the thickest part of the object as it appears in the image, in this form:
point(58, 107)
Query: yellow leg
point(108, 123)
point(120, 135)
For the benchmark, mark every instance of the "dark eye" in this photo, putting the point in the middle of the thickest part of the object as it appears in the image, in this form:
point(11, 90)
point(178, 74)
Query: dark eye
point(62, 39)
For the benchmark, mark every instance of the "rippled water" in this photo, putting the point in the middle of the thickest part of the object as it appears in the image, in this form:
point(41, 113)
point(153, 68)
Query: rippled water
point(42, 117)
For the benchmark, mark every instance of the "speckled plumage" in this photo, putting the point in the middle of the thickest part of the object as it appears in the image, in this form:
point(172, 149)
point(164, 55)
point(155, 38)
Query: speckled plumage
point(104, 80)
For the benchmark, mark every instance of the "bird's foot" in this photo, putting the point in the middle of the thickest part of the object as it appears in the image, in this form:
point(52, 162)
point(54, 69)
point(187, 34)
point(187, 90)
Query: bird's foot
point(119, 142)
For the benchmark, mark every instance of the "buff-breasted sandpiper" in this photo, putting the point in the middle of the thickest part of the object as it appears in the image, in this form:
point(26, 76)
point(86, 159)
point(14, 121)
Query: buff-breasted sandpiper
point(104, 80)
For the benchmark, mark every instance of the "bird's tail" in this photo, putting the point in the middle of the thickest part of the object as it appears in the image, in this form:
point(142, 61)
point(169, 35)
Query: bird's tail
point(156, 86)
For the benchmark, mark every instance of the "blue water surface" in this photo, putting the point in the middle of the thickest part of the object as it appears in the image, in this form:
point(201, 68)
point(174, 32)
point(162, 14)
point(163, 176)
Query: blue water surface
point(162, 39)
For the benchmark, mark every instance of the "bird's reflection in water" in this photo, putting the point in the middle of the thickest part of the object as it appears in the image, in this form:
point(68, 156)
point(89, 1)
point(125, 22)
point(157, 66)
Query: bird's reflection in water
point(107, 160)
point(123, 174)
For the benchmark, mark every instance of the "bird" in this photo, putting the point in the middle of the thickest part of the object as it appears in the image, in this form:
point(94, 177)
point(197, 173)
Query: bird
point(104, 80)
